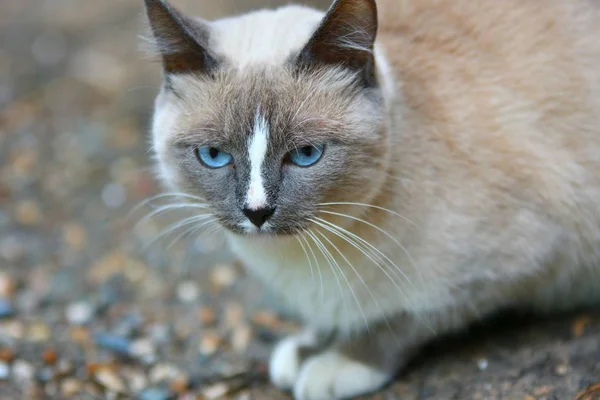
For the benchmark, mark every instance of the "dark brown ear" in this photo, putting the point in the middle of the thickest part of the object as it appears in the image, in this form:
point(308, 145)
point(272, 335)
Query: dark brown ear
point(182, 42)
point(345, 37)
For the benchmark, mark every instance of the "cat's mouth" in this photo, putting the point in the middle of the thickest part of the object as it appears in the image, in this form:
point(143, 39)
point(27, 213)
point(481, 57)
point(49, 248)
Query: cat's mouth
point(265, 231)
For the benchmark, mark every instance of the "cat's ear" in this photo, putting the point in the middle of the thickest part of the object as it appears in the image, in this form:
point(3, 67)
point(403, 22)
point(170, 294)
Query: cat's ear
point(182, 42)
point(346, 37)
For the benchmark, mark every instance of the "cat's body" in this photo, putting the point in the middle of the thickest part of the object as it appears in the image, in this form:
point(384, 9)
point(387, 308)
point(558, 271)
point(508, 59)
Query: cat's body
point(471, 152)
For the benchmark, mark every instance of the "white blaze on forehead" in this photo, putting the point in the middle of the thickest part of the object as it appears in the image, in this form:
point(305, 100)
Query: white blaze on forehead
point(257, 150)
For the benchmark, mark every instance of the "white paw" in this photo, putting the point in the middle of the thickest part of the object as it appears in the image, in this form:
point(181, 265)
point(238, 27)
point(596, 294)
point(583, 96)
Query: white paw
point(331, 376)
point(284, 365)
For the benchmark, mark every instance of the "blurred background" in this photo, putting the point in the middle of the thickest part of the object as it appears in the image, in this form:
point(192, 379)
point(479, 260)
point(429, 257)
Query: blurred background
point(101, 299)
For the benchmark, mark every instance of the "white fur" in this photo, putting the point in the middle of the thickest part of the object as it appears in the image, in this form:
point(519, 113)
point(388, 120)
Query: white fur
point(330, 375)
point(284, 365)
point(264, 37)
point(162, 125)
point(257, 150)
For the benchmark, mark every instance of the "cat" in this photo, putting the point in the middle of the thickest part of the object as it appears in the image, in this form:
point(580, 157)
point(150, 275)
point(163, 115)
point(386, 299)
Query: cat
point(394, 170)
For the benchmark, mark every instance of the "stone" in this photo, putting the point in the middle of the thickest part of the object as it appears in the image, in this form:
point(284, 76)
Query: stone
point(4, 371)
point(70, 387)
point(23, 371)
point(6, 308)
point(110, 380)
point(223, 276)
point(7, 285)
point(113, 343)
point(188, 292)
point(79, 313)
point(155, 394)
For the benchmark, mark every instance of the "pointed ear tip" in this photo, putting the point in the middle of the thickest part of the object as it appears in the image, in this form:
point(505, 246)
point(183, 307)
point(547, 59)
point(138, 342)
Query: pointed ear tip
point(356, 6)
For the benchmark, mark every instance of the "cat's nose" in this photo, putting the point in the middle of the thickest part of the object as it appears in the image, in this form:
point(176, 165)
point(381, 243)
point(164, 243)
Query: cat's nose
point(259, 216)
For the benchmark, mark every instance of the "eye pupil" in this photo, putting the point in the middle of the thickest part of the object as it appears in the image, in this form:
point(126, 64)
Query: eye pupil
point(306, 156)
point(212, 157)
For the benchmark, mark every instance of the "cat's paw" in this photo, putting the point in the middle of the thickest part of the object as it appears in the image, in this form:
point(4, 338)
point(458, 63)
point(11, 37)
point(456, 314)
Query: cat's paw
point(285, 362)
point(332, 376)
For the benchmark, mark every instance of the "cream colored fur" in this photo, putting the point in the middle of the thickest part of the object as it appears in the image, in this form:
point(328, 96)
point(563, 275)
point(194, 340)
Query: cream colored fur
point(490, 177)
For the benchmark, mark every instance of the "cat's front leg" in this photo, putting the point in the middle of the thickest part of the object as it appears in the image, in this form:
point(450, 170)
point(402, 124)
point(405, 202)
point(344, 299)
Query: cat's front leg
point(347, 366)
point(291, 353)
point(333, 375)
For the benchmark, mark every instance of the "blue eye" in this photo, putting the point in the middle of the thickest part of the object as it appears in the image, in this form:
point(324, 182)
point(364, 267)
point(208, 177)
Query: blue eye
point(212, 157)
point(306, 156)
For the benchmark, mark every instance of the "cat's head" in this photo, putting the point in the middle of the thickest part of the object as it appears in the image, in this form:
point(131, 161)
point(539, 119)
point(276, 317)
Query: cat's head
point(271, 115)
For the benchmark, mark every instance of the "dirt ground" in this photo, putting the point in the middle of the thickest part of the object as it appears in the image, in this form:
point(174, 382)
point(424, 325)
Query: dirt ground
point(94, 304)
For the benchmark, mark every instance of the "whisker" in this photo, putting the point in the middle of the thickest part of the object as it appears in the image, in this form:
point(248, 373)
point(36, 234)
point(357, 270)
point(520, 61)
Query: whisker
point(370, 206)
point(366, 243)
point(165, 195)
point(189, 231)
point(173, 227)
point(312, 274)
point(329, 258)
point(170, 207)
point(317, 264)
point(348, 283)
point(380, 230)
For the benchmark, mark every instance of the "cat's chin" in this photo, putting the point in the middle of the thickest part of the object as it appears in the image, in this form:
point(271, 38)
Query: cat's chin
point(262, 233)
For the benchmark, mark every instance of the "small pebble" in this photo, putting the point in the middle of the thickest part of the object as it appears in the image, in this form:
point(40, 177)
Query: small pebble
point(110, 380)
point(217, 391)
point(70, 387)
point(209, 344)
point(155, 394)
point(143, 349)
point(39, 332)
point(28, 213)
point(207, 316)
point(244, 396)
point(267, 319)
point(4, 370)
point(188, 292)
point(579, 326)
point(49, 356)
point(234, 314)
point(7, 285)
point(114, 195)
point(64, 368)
point(79, 313)
point(542, 390)
point(180, 384)
point(6, 308)
point(137, 381)
point(223, 276)
point(12, 329)
point(162, 372)
point(75, 236)
point(79, 334)
point(27, 302)
point(128, 325)
point(6, 355)
point(23, 371)
point(45, 374)
point(561, 370)
point(13, 249)
point(241, 337)
point(114, 343)
point(160, 333)
point(482, 364)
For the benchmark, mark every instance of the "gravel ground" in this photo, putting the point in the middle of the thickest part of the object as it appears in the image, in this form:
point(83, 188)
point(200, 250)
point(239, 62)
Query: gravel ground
point(95, 303)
